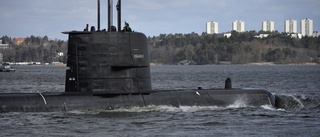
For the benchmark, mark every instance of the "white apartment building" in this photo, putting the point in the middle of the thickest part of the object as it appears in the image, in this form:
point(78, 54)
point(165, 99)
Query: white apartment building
point(268, 25)
point(316, 34)
point(290, 26)
point(3, 46)
point(238, 26)
point(306, 27)
point(212, 27)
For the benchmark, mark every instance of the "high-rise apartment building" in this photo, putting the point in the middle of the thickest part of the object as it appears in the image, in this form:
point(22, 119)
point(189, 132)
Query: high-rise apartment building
point(290, 26)
point(306, 27)
point(212, 27)
point(268, 25)
point(238, 26)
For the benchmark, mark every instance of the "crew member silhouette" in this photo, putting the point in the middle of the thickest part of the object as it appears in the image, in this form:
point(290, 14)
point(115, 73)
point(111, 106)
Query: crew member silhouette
point(126, 27)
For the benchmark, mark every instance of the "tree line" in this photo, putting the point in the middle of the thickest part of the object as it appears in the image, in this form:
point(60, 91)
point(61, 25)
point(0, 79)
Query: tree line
point(34, 49)
point(239, 48)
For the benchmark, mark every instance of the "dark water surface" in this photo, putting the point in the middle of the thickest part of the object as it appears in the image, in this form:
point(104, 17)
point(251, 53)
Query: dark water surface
point(297, 85)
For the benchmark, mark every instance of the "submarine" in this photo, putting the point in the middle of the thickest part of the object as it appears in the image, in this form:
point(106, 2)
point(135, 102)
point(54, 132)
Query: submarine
point(109, 69)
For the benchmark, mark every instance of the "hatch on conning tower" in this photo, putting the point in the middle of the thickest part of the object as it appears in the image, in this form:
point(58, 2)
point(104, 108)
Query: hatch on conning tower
point(110, 61)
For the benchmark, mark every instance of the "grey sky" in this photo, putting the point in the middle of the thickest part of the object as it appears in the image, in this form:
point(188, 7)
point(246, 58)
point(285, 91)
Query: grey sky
point(22, 18)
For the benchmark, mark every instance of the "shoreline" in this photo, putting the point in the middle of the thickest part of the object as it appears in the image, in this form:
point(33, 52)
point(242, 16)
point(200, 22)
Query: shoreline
point(253, 64)
point(160, 64)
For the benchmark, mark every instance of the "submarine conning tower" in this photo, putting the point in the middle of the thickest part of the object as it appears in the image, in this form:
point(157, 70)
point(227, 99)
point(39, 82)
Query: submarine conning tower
point(108, 61)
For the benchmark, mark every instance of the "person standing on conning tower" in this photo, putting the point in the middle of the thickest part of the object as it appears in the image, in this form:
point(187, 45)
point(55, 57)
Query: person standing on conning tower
point(126, 27)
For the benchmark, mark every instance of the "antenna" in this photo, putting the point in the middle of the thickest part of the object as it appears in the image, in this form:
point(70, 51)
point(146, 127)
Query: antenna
point(119, 14)
point(109, 15)
point(98, 15)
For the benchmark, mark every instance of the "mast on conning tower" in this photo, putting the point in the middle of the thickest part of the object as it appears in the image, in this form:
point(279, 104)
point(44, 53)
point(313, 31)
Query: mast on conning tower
point(119, 14)
point(110, 15)
point(98, 15)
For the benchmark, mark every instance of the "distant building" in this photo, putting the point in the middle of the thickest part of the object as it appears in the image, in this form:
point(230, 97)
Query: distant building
point(18, 41)
point(262, 36)
point(316, 34)
point(227, 35)
point(290, 26)
point(295, 35)
point(238, 26)
point(268, 25)
point(60, 54)
point(306, 27)
point(3, 46)
point(212, 27)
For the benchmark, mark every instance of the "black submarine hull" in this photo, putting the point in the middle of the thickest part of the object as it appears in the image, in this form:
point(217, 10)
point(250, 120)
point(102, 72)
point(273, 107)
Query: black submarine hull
point(109, 69)
point(53, 102)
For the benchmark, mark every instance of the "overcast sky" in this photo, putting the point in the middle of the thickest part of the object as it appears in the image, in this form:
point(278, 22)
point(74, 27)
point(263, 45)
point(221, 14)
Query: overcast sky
point(23, 18)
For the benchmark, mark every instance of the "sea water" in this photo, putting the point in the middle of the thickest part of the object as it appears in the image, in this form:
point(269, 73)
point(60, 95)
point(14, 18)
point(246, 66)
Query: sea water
point(297, 85)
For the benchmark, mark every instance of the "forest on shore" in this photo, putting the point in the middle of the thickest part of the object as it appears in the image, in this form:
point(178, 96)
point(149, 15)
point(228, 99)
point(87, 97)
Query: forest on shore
point(239, 48)
point(35, 49)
